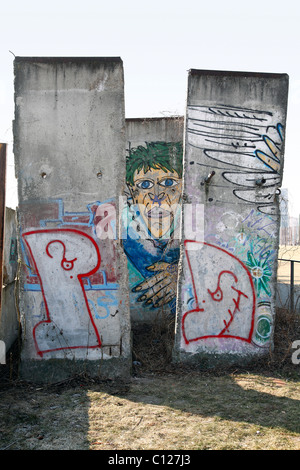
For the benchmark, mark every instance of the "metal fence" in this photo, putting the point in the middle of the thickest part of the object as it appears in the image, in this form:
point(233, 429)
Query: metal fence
point(292, 280)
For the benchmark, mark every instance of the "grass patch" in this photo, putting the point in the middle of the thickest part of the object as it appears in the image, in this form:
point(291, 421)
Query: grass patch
point(192, 411)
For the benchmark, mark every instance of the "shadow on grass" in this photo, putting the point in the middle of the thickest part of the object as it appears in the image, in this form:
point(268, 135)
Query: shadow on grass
point(224, 398)
point(217, 393)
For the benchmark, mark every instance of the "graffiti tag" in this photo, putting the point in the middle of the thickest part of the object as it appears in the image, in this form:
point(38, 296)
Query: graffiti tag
point(61, 259)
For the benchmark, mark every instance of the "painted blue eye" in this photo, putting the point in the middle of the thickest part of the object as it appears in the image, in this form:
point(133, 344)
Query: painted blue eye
point(145, 184)
point(168, 182)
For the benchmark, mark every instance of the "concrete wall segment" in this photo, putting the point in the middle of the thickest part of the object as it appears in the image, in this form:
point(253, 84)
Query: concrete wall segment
point(77, 136)
point(152, 257)
point(234, 148)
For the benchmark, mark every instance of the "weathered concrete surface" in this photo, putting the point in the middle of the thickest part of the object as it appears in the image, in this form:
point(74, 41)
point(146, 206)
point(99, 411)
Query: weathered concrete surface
point(162, 129)
point(234, 146)
point(9, 322)
point(150, 140)
point(69, 145)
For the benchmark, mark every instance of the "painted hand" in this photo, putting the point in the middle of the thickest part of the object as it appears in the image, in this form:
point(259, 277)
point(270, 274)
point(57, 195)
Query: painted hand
point(159, 289)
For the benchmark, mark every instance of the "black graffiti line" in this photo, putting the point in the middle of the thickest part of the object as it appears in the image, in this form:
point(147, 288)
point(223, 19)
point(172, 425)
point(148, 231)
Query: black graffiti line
point(222, 136)
point(270, 127)
point(232, 123)
point(269, 207)
point(234, 145)
point(219, 128)
point(260, 127)
point(228, 163)
point(249, 187)
point(207, 149)
point(265, 196)
point(199, 122)
point(241, 108)
point(265, 176)
point(239, 150)
point(236, 115)
point(233, 108)
point(266, 185)
point(258, 200)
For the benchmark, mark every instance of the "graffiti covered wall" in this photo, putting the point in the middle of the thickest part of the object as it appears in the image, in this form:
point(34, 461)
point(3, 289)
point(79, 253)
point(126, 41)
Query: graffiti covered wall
point(234, 140)
point(151, 215)
point(197, 204)
point(69, 142)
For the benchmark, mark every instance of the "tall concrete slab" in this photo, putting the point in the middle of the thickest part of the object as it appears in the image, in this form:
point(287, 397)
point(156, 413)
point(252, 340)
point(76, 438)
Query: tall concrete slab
point(9, 320)
point(69, 145)
point(153, 182)
point(233, 166)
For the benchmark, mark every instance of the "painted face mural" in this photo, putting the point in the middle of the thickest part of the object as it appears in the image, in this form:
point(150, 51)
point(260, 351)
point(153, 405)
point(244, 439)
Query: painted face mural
point(151, 242)
point(157, 192)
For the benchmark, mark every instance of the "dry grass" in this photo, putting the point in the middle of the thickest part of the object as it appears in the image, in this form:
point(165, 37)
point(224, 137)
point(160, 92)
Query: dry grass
point(162, 407)
point(162, 412)
point(198, 412)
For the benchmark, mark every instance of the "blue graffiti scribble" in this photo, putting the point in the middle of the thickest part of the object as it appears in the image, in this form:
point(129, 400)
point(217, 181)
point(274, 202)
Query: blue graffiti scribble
point(105, 301)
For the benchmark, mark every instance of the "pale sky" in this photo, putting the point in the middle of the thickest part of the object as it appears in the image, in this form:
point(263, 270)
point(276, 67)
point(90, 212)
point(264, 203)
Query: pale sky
point(158, 41)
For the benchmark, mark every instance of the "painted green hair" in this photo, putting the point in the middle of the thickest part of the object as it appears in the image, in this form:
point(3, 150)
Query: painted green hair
point(165, 155)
